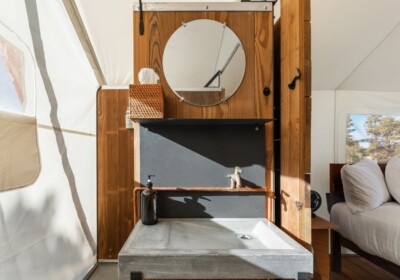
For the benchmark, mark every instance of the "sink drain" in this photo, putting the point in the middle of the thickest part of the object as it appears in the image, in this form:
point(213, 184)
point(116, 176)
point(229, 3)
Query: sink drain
point(244, 236)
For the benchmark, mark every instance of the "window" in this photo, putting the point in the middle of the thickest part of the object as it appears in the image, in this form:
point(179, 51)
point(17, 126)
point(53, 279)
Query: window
point(12, 84)
point(19, 155)
point(374, 136)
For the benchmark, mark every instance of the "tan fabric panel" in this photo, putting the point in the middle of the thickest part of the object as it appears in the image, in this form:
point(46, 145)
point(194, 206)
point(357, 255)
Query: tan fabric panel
point(19, 153)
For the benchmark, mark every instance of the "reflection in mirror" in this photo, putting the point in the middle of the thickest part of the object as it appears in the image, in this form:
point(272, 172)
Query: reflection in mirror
point(204, 62)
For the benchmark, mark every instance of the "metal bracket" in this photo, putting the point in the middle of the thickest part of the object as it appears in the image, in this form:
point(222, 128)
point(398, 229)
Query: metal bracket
point(292, 85)
point(270, 194)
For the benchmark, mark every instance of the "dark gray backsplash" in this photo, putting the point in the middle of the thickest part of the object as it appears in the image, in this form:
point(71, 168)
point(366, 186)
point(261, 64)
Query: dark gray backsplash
point(202, 155)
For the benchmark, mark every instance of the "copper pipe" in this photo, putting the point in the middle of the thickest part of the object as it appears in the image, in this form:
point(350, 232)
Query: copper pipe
point(136, 201)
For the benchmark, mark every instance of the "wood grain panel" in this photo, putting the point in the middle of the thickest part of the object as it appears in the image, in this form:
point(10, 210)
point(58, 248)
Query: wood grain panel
point(355, 267)
point(115, 173)
point(295, 215)
point(248, 101)
point(264, 78)
point(320, 243)
point(269, 171)
point(264, 63)
point(125, 172)
point(101, 175)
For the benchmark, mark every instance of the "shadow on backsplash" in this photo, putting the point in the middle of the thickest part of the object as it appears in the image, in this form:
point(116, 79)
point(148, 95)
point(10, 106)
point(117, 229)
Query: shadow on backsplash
point(210, 205)
point(202, 155)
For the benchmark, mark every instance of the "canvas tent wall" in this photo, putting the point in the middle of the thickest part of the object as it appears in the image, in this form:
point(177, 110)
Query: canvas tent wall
point(48, 229)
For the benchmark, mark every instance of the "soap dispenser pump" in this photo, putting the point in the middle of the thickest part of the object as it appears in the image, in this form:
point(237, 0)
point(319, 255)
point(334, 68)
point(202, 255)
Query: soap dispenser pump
point(148, 202)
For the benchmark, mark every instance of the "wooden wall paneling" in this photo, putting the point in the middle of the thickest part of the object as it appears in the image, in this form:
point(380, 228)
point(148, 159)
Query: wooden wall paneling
point(159, 26)
point(269, 171)
point(125, 171)
point(101, 175)
point(264, 78)
point(162, 26)
point(242, 103)
point(115, 173)
point(111, 164)
point(295, 220)
point(264, 61)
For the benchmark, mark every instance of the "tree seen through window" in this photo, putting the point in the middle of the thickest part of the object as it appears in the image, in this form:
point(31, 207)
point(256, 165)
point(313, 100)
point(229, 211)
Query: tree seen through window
point(374, 136)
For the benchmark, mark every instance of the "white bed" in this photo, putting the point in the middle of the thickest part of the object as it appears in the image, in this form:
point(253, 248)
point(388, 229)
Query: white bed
point(376, 231)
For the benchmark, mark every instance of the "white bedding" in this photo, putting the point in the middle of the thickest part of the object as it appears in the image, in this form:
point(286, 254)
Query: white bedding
point(376, 231)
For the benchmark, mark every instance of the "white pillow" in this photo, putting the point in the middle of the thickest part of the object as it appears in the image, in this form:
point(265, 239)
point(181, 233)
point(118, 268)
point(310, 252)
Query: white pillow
point(364, 186)
point(392, 174)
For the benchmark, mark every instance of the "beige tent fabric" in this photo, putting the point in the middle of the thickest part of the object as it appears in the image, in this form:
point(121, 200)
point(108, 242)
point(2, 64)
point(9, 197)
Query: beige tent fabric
point(19, 153)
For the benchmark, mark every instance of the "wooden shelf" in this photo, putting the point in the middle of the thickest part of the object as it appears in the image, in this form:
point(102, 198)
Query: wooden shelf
point(203, 121)
point(209, 189)
point(319, 223)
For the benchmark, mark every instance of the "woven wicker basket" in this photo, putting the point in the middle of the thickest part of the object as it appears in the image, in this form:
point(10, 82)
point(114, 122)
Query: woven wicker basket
point(146, 102)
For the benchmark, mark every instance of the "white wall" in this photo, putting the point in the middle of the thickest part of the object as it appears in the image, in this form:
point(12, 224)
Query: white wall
point(322, 144)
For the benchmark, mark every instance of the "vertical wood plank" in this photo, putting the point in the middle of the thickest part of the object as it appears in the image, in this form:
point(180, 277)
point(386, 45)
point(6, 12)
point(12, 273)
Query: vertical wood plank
point(101, 173)
point(162, 25)
point(264, 60)
point(115, 173)
point(125, 171)
point(296, 219)
point(263, 104)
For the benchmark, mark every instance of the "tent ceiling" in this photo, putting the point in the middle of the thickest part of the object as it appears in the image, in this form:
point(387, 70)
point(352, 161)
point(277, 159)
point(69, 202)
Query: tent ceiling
point(352, 41)
point(380, 71)
point(109, 26)
point(346, 33)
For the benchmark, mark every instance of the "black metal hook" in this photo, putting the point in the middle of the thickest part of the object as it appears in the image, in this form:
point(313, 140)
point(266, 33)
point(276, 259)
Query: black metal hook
point(141, 24)
point(292, 85)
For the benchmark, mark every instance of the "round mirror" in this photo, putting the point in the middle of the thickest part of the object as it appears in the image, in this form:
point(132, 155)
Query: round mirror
point(204, 62)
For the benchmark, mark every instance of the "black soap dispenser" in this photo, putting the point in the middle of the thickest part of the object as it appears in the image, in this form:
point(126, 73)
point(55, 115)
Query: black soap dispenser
point(148, 202)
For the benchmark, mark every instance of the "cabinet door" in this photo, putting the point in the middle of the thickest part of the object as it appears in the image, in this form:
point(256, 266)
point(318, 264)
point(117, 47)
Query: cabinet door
point(295, 40)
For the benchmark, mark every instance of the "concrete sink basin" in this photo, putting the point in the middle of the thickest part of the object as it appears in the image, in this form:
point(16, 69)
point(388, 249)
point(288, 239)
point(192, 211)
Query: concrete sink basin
point(213, 249)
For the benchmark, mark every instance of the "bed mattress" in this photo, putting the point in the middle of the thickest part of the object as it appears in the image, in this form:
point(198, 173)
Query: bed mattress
point(376, 231)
